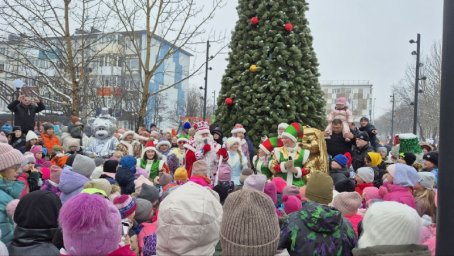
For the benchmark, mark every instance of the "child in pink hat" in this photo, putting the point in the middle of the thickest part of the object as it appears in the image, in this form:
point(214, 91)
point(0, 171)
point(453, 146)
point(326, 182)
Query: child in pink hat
point(341, 112)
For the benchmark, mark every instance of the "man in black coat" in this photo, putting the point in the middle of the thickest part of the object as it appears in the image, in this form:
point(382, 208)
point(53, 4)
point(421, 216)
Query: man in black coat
point(337, 144)
point(360, 150)
point(25, 110)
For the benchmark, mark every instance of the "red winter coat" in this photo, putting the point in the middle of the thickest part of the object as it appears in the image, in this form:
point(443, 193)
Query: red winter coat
point(360, 187)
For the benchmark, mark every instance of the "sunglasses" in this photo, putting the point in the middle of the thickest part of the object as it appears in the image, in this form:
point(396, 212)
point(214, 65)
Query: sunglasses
point(181, 142)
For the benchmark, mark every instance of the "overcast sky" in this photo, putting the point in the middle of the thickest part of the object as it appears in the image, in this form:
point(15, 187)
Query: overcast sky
point(354, 40)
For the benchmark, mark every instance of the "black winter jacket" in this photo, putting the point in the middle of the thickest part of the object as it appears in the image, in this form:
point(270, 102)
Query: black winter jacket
point(24, 116)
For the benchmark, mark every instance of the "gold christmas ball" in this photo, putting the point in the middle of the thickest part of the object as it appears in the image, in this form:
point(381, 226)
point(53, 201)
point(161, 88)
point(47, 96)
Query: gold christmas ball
point(253, 68)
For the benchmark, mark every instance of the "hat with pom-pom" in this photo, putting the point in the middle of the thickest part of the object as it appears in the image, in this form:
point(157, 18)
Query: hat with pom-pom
point(291, 204)
point(91, 225)
point(125, 204)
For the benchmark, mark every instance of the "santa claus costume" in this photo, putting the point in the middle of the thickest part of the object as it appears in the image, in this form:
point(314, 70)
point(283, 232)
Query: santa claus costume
point(202, 146)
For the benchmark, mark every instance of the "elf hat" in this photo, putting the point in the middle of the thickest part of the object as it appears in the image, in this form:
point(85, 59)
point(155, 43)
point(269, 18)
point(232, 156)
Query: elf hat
point(238, 128)
point(294, 132)
point(183, 137)
point(269, 144)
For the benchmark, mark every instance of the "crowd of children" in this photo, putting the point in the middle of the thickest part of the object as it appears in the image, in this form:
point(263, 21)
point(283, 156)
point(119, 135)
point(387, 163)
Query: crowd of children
point(61, 202)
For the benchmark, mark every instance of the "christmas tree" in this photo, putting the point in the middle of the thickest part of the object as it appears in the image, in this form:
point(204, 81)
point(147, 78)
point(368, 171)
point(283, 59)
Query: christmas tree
point(272, 75)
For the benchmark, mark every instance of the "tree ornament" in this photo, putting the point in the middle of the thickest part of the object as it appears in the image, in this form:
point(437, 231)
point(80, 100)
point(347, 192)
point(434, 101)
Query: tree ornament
point(255, 20)
point(229, 101)
point(288, 26)
point(253, 68)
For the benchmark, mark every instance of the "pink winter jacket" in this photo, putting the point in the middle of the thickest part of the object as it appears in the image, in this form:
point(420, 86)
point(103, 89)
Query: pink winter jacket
point(354, 220)
point(396, 193)
point(345, 115)
point(147, 230)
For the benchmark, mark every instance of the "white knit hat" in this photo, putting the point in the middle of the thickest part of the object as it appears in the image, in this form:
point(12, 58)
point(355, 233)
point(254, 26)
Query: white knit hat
point(366, 174)
point(390, 223)
point(347, 203)
point(230, 141)
point(30, 136)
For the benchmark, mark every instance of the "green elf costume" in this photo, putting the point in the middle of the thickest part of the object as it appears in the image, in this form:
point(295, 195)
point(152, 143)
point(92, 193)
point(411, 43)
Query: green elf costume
point(261, 162)
point(152, 166)
point(281, 155)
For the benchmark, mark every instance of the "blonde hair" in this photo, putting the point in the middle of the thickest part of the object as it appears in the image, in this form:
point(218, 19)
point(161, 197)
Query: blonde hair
point(425, 203)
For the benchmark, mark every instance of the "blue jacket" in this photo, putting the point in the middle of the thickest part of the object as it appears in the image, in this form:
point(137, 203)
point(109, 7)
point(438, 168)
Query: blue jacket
point(9, 190)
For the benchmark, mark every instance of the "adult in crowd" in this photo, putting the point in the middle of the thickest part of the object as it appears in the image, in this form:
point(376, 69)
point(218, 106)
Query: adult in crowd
point(337, 145)
point(25, 109)
point(360, 150)
point(366, 126)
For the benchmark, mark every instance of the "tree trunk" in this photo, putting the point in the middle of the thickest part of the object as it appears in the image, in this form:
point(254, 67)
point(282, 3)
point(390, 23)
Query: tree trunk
point(144, 100)
point(75, 92)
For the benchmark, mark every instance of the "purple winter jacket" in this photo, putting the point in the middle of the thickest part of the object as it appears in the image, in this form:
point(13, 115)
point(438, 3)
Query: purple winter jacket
point(71, 183)
point(396, 193)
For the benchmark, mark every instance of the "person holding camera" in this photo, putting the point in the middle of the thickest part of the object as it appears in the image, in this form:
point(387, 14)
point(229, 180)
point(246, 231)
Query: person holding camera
point(25, 109)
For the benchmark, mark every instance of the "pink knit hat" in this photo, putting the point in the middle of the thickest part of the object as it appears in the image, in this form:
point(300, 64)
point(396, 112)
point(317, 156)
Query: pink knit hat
point(36, 149)
point(91, 225)
point(280, 184)
point(347, 203)
point(270, 190)
point(291, 204)
point(341, 100)
point(125, 204)
point(370, 193)
point(9, 156)
point(225, 172)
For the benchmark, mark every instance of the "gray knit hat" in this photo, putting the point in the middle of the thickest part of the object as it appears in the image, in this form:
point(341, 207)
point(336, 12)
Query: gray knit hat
point(149, 192)
point(83, 165)
point(249, 225)
point(9, 156)
point(143, 210)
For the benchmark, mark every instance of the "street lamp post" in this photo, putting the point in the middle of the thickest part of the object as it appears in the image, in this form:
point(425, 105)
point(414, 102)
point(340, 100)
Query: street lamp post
point(392, 115)
point(208, 58)
point(418, 65)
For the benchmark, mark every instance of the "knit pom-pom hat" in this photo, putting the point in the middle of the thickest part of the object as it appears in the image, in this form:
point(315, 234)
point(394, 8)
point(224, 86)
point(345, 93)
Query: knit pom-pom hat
point(126, 205)
point(91, 225)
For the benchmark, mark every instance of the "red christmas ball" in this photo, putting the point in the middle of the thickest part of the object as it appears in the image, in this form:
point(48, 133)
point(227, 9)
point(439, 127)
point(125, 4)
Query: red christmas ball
point(228, 101)
point(255, 20)
point(288, 27)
